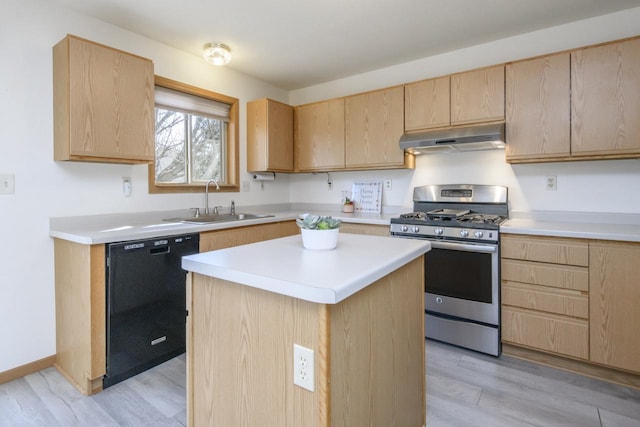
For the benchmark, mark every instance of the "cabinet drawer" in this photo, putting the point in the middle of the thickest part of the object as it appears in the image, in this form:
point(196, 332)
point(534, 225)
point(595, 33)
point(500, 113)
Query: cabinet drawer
point(546, 332)
point(544, 249)
point(558, 276)
point(558, 301)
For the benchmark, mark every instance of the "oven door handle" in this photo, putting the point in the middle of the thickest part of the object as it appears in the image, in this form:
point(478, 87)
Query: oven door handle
point(437, 244)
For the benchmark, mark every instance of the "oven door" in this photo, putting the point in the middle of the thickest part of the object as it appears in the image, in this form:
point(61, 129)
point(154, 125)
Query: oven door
point(462, 280)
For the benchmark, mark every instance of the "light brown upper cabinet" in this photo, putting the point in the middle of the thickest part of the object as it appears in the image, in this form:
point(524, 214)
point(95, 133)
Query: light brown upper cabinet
point(319, 135)
point(582, 108)
point(269, 136)
point(538, 98)
point(471, 97)
point(374, 124)
point(477, 96)
point(103, 102)
point(427, 104)
point(605, 100)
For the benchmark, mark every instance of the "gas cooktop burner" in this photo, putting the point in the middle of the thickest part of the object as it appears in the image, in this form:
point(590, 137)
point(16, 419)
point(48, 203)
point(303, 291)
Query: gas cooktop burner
point(481, 218)
point(446, 213)
point(414, 215)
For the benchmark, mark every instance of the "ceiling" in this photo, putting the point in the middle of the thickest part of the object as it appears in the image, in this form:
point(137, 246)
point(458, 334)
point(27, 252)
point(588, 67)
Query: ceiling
point(298, 43)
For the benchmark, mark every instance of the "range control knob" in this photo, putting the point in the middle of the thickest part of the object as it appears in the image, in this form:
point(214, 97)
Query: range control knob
point(464, 233)
point(404, 228)
point(416, 229)
point(438, 231)
point(478, 234)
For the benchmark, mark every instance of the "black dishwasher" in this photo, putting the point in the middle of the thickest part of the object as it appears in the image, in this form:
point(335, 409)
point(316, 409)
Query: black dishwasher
point(146, 305)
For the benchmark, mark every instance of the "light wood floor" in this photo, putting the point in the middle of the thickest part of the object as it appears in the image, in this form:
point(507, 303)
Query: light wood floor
point(464, 389)
point(468, 389)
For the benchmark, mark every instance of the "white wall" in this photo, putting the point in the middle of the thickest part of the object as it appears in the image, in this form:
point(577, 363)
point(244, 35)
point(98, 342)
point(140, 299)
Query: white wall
point(596, 186)
point(44, 188)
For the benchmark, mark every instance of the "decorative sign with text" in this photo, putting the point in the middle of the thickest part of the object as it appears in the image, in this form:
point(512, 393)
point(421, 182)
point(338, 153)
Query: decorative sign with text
point(367, 196)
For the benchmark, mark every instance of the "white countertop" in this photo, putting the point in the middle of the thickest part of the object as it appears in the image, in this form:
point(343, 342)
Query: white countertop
point(285, 267)
point(97, 229)
point(621, 227)
point(580, 230)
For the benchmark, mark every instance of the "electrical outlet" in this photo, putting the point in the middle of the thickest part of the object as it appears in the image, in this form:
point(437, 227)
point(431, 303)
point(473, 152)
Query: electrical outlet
point(7, 184)
point(303, 374)
point(126, 186)
point(387, 184)
point(552, 183)
point(246, 186)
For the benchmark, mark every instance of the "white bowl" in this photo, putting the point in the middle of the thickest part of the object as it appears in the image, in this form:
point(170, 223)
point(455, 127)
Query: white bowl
point(320, 240)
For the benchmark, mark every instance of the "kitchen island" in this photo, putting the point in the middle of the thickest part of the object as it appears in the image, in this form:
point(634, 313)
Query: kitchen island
point(358, 308)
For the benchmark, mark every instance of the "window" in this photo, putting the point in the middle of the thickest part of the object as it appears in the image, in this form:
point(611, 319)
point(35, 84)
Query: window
point(195, 140)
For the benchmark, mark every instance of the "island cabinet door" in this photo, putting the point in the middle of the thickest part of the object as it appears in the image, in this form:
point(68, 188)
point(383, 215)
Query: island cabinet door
point(368, 355)
point(240, 356)
point(377, 375)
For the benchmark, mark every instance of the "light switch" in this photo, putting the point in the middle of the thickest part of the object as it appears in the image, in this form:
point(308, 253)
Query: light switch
point(7, 183)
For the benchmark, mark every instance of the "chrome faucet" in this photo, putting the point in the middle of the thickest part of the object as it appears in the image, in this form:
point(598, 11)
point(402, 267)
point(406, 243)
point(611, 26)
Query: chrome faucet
point(206, 196)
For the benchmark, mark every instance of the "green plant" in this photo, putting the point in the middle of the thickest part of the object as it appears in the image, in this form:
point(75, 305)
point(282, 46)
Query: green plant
point(316, 222)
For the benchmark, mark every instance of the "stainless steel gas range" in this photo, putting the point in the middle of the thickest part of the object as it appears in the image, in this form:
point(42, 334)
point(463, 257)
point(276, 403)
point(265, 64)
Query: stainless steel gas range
point(462, 270)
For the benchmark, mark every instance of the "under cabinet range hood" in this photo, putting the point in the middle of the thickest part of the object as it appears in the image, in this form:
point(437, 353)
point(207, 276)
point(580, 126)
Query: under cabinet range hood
point(468, 138)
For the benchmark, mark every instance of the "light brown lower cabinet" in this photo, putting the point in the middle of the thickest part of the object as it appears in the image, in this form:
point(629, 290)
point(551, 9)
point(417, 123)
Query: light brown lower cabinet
point(545, 331)
point(545, 288)
point(80, 314)
point(573, 298)
point(368, 229)
point(614, 274)
point(220, 239)
point(368, 354)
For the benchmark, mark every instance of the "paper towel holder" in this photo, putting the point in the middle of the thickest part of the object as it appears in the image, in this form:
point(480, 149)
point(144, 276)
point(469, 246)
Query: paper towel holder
point(262, 177)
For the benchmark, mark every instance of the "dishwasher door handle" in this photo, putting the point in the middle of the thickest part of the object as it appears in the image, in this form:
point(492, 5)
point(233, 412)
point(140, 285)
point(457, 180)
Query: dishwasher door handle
point(160, 250)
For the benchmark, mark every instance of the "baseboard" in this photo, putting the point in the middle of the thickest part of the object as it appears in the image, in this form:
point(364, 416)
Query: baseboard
point(627, 379)
point(29, 368)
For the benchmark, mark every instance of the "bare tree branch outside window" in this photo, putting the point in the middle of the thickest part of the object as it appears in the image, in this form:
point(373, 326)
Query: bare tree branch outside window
point(189, 148)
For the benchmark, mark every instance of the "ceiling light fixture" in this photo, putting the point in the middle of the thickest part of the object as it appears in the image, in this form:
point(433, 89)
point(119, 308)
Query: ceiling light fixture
point(216, 53)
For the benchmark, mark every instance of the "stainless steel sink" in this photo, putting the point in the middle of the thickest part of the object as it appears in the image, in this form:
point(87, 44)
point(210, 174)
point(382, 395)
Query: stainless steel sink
point(206, 219)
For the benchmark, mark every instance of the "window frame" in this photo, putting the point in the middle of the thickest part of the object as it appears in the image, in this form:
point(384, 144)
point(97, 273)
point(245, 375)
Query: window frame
point(232, 178)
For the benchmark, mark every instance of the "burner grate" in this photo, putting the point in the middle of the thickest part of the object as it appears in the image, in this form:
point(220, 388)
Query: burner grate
point(447, 213)
point(480, 218)
point(414, 215)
